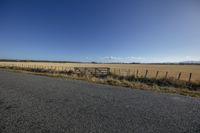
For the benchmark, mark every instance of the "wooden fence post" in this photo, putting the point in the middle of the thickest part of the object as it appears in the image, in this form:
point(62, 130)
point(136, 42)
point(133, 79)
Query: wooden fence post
point(85, 72)
point(128, 73)
point(146, 74)
point(119, 72)
point(190, 76)
point(95, 71)
point(157, 74)
point(108, 71)
point(137, 73)
point(179, 76)
point(166, 75)
point(55, 69)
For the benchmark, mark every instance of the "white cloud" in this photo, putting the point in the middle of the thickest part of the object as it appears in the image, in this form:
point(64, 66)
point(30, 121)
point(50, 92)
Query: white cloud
point(122, 59)
point(189, 58)
point(147, 59)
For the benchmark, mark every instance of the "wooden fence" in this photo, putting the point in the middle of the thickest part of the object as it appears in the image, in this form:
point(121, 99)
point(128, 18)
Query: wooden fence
point(97, 71)
point(145, 73)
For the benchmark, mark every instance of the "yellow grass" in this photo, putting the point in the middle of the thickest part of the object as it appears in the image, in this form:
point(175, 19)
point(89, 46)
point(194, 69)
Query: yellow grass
point(122, 69)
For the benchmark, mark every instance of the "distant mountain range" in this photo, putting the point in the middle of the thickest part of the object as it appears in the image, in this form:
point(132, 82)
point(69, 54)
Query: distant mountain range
point(190, 62)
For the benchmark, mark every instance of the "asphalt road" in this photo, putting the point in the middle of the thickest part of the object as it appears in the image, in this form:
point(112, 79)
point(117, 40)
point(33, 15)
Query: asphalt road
point(37, 104)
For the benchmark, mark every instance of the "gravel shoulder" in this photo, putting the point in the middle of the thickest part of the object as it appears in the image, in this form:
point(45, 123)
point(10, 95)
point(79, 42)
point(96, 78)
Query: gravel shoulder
point(39, 104)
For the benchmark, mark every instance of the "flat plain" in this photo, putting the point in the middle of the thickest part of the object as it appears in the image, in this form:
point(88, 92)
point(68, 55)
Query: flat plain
point(124, 69)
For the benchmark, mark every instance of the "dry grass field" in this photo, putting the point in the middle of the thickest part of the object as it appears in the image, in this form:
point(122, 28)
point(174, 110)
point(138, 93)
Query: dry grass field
point(122, 69)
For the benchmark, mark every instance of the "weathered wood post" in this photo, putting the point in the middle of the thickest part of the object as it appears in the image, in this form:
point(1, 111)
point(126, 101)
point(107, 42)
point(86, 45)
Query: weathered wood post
point(157, 74)
point(51, 69)
point(145, 76)
point(129, 72)
point(137, 73)
point(85, 72)
point(55, 69)
point(166, 75)
point(108, 71)
point(190, 77)
point(62, 68)
point(95, 71)
point(179, 76)
point(119, 72)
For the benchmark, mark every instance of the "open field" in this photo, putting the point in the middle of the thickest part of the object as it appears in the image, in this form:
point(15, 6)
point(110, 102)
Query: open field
point(122, 69)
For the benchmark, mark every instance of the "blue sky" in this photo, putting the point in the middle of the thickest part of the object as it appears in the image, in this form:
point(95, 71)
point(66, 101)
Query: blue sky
point(100, 30)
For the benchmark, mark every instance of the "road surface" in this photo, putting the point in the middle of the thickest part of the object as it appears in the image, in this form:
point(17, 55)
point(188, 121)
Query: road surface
point(38, 104)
